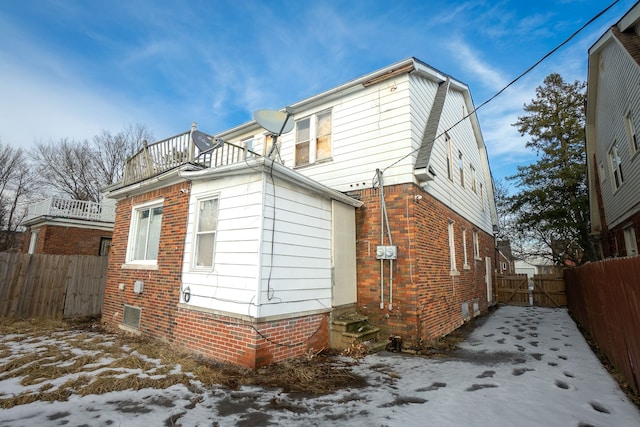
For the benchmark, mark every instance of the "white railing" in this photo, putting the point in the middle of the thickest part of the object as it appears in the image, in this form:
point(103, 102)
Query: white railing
point(76, 209)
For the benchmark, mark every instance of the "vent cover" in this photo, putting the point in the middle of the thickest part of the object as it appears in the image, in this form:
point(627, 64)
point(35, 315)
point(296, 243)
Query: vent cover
point(131, 316)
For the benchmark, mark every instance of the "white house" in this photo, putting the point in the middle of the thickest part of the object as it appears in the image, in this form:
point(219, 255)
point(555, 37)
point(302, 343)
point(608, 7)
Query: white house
point(378, 201)
point(613, 114)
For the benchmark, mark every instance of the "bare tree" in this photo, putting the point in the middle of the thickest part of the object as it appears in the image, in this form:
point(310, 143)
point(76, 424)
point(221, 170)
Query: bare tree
point(80, 169)
point(17, 183)
point(111, 151)
point(68, 169)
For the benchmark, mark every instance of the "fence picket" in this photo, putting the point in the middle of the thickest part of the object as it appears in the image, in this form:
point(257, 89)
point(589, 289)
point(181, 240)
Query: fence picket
point(51, 286)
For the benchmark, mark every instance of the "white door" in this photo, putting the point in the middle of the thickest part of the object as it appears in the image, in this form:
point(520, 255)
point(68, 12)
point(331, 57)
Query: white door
point(488, 275)
point(343, 254)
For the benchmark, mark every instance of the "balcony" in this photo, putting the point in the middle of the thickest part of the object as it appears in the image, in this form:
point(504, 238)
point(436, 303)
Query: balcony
point(162, 156)
point(73, 209)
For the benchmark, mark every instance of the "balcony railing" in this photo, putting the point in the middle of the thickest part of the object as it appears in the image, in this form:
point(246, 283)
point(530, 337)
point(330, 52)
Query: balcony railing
point(169, 153)
point(73, 209)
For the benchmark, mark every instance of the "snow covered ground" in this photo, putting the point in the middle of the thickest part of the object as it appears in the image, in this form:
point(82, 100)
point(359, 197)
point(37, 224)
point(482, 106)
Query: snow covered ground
point(522, 366)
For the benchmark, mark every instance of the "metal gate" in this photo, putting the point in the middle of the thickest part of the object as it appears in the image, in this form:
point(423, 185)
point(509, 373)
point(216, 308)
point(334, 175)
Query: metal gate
point(543, 290)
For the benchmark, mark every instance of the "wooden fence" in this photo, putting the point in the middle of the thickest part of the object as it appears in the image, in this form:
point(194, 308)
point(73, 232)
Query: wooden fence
point(51, 286)
point(544, 290)
point(603, 298)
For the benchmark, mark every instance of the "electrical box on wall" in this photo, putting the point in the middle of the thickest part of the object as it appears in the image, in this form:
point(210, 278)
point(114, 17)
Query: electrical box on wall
point(138, 286)
point(386, 252)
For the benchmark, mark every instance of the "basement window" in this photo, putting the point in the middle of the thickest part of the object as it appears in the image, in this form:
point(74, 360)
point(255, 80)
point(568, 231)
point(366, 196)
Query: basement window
point(131, 316)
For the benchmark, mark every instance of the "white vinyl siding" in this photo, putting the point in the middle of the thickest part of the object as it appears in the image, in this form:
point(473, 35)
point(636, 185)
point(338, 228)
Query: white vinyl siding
point(263, 267)
point(617, 105)
point(381, 127)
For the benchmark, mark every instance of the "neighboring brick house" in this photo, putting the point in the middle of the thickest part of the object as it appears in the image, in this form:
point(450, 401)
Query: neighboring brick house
point(69, 227)
point(613, 147)
point(379, 201)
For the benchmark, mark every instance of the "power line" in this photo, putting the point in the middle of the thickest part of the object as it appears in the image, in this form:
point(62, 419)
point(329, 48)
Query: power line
point(527, 71)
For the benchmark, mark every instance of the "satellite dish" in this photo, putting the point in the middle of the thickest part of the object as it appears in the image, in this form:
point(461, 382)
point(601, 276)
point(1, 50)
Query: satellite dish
point(274, 121)
point(204, 142)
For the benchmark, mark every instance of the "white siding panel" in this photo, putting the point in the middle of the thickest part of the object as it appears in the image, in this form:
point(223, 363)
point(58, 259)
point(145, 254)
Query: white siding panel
point(461, 199)
point(296, 272)
point(235, 272)
point(618, 94)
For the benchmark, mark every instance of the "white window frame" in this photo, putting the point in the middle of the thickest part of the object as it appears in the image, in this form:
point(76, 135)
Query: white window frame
point(634, 144)
point(314, 129)
point(447, 139)
point(615, 161)
point(249, 145)
point(466, 265)
point(630, 242)
point(474, 186)
point(452, 249)
point(476, 245)
point(133, 231)
point(197, 233)
point(461, 168)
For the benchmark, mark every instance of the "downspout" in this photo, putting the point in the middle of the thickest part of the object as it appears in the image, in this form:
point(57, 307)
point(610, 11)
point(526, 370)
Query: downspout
point(379, 176)
point(384, 221)
point(386, 218)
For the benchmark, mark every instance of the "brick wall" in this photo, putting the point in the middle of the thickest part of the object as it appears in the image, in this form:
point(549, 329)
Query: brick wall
point(244, 343)
point(64, 240)
point(158, 302)
point(427, 299)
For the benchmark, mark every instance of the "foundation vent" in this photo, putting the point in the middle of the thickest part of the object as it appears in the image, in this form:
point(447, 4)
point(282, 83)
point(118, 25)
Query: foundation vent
point(131, 316)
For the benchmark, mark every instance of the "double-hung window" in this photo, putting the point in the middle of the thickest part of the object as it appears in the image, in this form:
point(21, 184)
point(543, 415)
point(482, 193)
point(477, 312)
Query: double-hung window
point(616, 165)
point(205, 233)
point(631, 133)
point(476, 245)
point(144, 235)
point(452, 249)
point(449, 157)
point(313, 139)
point(461, 167)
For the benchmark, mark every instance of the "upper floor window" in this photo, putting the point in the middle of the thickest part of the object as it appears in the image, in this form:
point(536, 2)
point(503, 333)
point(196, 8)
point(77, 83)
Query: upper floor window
point(631, 133)
point(144, 234)
point(248, 144)
point(447, 140)
point(205, 238)
point(616, 165)
point(313, 139)
point(461, 167)
point(474, 186)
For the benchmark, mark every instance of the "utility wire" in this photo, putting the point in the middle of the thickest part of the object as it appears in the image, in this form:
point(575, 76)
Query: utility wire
point(527, 71)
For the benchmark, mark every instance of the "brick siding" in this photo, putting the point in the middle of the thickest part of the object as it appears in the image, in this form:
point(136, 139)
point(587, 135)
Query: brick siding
point(63, 240)
point(427, 299)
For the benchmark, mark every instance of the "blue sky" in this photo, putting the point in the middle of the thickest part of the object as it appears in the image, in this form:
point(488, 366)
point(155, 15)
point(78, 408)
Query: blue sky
point(73, 68)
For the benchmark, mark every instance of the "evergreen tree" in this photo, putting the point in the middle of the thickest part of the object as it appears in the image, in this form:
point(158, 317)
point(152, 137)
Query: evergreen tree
point(552, 207)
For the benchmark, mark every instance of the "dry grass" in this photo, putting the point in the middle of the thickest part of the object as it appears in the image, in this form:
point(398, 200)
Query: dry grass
point(93, 361)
